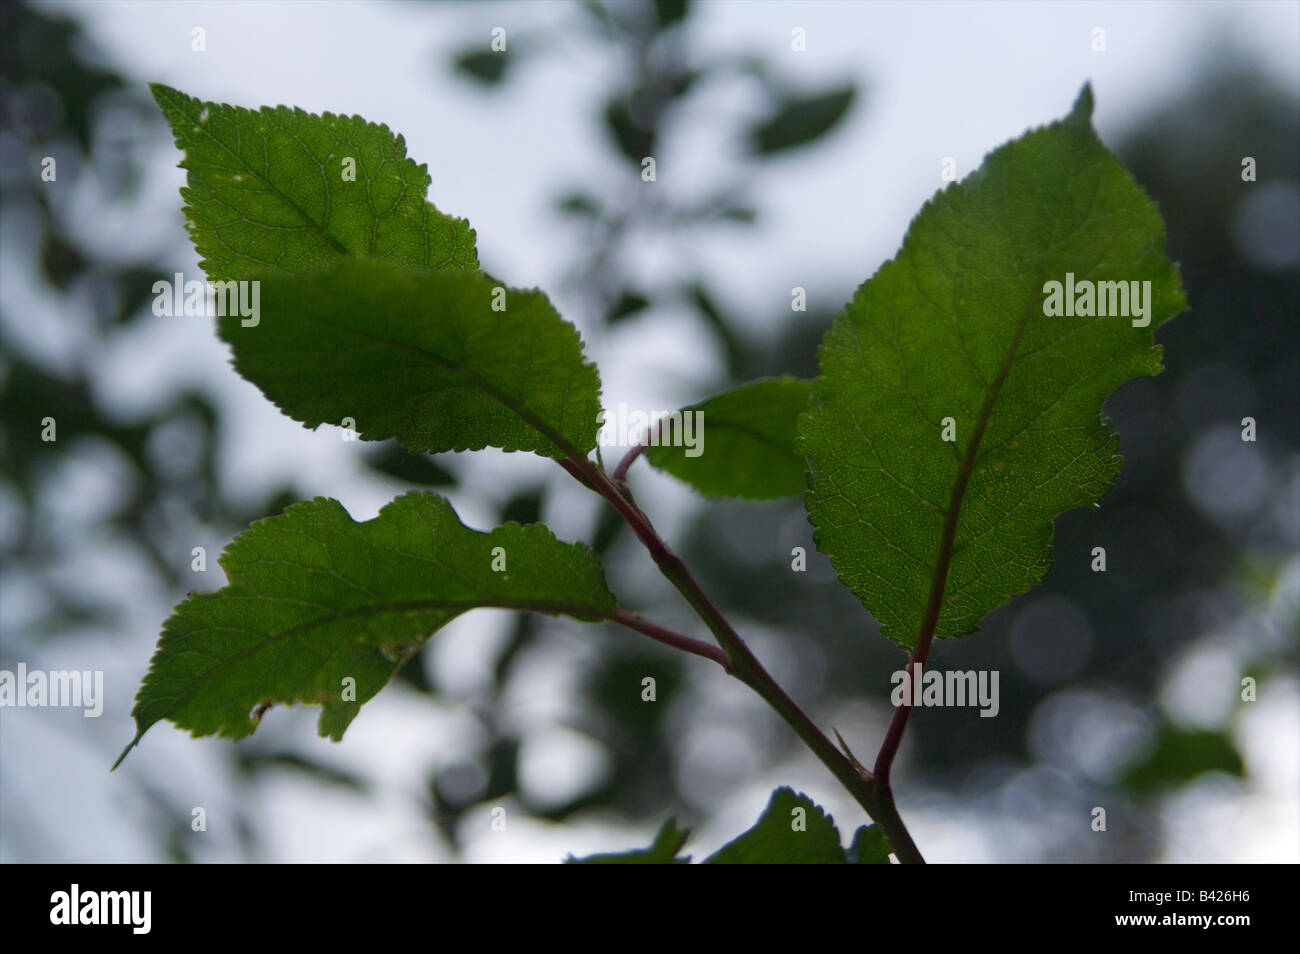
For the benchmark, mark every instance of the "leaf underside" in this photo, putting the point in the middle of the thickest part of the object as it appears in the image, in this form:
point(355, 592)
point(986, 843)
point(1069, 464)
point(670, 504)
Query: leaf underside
point(270, 188)
point(422, 357)
point(370, 313)
point(662, 851)
point(793, 830)
point(315, 599)
point(954, 327)
point(746, 446)
point(371, 307)
point(775, 840)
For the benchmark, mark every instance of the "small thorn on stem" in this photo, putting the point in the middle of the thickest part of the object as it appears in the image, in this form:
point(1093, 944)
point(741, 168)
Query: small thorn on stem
point(861, 769)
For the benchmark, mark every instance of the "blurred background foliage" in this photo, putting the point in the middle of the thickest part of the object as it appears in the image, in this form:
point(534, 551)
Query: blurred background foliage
point(1096, 668)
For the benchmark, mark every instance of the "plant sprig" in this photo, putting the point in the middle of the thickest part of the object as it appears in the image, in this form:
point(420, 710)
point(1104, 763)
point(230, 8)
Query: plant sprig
point(955, 415)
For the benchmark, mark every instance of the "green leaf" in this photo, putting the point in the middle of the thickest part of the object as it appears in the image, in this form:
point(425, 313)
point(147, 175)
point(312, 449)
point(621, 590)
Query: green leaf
point(954, 327)
point(267, 189)
point(315, 599)
point(634, 140)
point(579, 203)
point(663, 851)
point(793, 830)
point(747, 446)
point(628, 303)
point(422, 357)
point(394, 461)
point(668, 12)
point(722, 325)
point(869, 847)
point(484, 66)
point(776, 840)
point(1180, 755)
point(799, 120)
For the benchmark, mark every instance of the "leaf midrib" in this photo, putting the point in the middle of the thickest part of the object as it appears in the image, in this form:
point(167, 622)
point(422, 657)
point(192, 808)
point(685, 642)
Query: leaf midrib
point(749, 431)
point(939, 578)
point(366, 612)
point(561, 443)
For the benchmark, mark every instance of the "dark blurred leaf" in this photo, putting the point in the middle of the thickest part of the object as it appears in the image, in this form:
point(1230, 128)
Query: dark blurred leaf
point(484, 66)
point(417, 677)
point(524, 507)
point(748, 64)
point(522, 636)
point(679, 84)
point(668, 12)
point(36, 47)
point(799, 120)
point(601, 15)
point(793, 351)
point(392, 460)
point(1182, 754)
point(28, 395)
point(579, 203)
point(722, 208)
point(608, 528)
point(627, 305)
point(457, 786)
point(275, 504)
point(736, 352)
point(632, 139)
point(503, 767)
point(632, 728)
point(69, 617)
point(452, 795)
point(62, 260)
point(292, 760)
point(613, 687)
point(743, 214)
point(663, 851)
point(135, 290)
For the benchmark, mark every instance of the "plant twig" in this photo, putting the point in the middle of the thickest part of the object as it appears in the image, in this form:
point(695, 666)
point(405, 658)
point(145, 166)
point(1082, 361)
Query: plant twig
point(668, 637)
point(898, 723)
point(744, 665)
point(620, 472)
point(862, 769)
point(939, 578)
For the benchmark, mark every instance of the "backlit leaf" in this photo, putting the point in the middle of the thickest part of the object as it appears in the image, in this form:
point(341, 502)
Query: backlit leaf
point(422, 357)
point(270, 188)
point(745, 442)
point(951, 335)
point(316, 599)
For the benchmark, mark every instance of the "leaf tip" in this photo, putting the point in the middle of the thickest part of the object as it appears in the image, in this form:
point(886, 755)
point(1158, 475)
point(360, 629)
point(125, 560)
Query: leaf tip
point(1082, 110)
point(129, 746)
point(162, 92)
